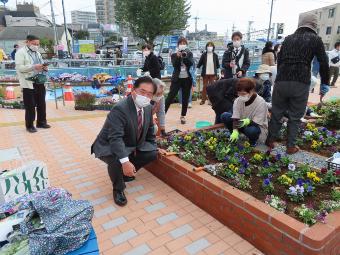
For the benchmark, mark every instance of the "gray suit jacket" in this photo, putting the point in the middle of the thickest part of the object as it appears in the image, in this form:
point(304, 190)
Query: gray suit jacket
point(118, 136)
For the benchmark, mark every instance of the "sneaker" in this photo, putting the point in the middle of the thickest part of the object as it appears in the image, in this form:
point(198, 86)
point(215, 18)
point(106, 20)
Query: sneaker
point(31, 129)
point(292, 150)
point(183, 121)
point(190, 105)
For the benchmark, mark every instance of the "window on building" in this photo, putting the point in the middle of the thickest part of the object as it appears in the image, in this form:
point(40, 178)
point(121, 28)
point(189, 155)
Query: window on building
point(331, 13)
point(338, 32)
point(328, 30)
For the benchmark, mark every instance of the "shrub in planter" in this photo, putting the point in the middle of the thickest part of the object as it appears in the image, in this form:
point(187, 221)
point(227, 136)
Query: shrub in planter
point(331, 114)
point(85, 101)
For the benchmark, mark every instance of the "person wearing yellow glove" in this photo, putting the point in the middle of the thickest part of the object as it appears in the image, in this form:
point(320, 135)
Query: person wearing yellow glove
point(249, 114)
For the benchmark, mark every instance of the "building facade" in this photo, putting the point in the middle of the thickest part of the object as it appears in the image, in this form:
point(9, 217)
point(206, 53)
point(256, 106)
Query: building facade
point(80, 17)
point(105, 10)
point(328, 24)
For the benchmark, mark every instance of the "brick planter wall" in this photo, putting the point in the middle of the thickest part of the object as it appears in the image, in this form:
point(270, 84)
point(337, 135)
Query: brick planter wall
point(266, 228)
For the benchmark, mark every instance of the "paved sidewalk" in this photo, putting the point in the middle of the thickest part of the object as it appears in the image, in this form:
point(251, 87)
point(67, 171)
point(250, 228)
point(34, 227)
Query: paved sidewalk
point(157, 219)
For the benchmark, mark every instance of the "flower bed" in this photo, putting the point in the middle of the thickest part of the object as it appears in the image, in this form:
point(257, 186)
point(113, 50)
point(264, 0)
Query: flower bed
point(270, 178)
point(268, 229)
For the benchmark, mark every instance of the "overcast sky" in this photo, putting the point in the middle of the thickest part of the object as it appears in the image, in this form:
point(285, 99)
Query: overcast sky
point(219, 15)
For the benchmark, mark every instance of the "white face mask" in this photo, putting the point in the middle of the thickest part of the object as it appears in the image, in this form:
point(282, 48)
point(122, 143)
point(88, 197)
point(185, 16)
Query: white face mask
point(142, 101)
point(157, 99)
point(237, 44)
point(210, 49)
point(244, 98)
point(33, 47)
point(146, 53)
point(264, 76)
point(182, 47)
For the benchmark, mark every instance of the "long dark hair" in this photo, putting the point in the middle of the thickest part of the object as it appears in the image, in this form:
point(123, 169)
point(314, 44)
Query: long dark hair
point(268, 47)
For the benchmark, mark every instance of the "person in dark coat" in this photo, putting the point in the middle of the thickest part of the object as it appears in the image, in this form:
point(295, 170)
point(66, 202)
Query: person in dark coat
point(16, 47)
point(222, 94)
point(293, 79)
point(127, 140)
point(263, 83)
point(236, 60)
point(151, 63)
point(210, 64)
point(182, 60)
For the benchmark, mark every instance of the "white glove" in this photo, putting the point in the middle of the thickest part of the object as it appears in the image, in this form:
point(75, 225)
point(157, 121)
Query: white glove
point(147, 74)
point(139, 72)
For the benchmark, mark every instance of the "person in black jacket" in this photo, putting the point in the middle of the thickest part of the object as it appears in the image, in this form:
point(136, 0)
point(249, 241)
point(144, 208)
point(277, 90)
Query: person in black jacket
point(293, 79)
point(236, 58)
point(209, 63)
point(222, 94)
point(151, 63)
point(182, 60)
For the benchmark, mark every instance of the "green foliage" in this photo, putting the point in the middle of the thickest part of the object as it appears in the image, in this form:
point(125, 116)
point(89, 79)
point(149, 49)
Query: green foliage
point(200, 160)
point(148, 19)
point(81, 35)
point(307, 215)
point(85, 99)
point(47, 44)
point(241, 182)
point(2, 92)
point(173, 148)
point(331, 113)
point(335, 195)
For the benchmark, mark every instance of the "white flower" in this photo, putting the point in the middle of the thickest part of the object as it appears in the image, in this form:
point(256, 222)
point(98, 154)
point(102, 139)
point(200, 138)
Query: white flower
point(292, 191)
point(291, 167)
point(308, 133)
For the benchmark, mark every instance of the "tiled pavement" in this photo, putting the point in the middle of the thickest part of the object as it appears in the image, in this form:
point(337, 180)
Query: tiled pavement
point(157, 219)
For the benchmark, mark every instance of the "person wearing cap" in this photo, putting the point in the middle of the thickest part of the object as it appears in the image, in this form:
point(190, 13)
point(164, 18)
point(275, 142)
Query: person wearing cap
point(263, 83)
point(293, 79)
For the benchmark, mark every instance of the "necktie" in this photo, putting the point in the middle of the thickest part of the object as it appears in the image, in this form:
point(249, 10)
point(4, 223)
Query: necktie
point(140, 124)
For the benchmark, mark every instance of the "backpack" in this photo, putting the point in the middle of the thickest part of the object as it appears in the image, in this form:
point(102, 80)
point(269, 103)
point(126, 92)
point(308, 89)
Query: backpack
point(161, 62)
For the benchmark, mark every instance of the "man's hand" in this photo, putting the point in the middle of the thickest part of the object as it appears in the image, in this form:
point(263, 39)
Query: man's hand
point(39, 67)
point(179, 54)
point(128, 169)
point(239, 74)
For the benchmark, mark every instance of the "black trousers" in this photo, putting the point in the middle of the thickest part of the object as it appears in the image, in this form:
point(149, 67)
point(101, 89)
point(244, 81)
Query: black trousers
point(35, 98)
point(114, 167)
point(186, 85)
point(291, 97)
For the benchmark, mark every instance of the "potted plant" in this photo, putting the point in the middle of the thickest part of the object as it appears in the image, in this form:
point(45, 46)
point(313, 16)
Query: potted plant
point(85, 101)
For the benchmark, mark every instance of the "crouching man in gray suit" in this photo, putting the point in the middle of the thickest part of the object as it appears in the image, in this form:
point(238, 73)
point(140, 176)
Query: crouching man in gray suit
point(127, 141)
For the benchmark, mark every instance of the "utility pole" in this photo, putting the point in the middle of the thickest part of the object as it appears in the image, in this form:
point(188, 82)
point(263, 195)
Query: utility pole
point(196, 19)
point(65, 28)
point(249, 28)
point(270, 20)
point(54, 29)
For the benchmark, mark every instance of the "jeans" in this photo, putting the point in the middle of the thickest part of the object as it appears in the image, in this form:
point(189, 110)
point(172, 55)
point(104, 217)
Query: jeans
point(180, 96)
point(252, 132)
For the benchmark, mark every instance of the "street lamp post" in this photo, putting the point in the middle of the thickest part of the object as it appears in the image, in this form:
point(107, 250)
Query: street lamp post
point(65, 27)
point(270, 20)
point(54, 29)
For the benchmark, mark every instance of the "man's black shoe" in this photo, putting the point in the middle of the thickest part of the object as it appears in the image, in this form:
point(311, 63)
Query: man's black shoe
point(31, 129)
point(119, 197)
point(43, 126)
point(128, 178)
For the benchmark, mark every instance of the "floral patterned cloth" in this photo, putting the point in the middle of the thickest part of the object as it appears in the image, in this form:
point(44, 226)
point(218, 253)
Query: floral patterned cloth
point(66, 222)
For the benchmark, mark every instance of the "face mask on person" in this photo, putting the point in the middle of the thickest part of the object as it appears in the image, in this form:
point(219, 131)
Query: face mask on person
point(264, 76)
point(157, 99)
point(244, 98)
point(210, 49)
point(146, 53)
point(237, 44)
point(182, 47)
point(142, 101)
point(33, 47)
